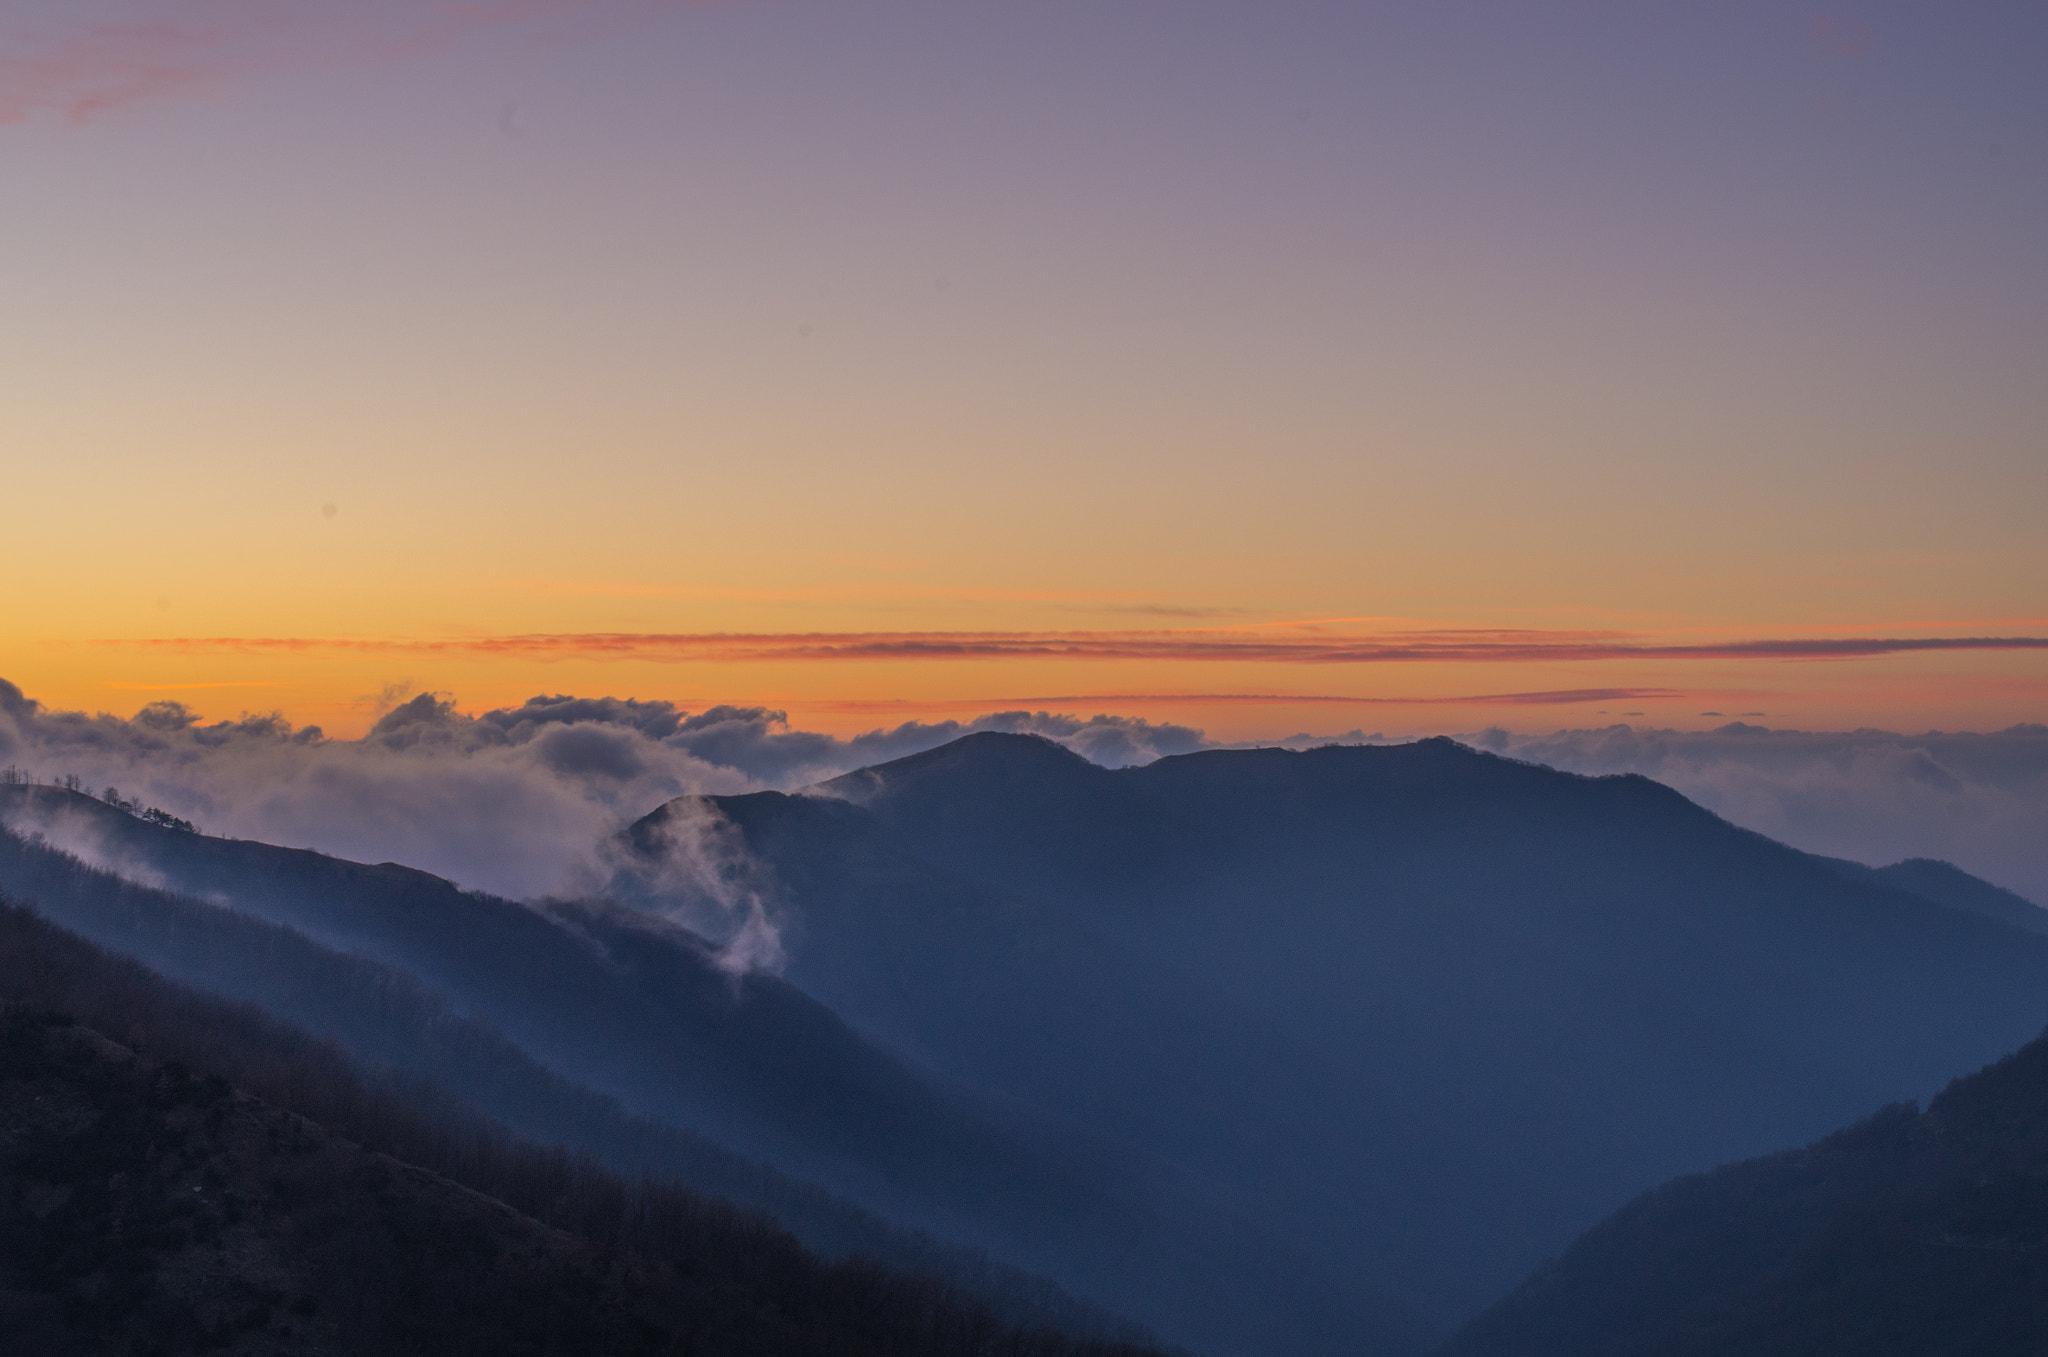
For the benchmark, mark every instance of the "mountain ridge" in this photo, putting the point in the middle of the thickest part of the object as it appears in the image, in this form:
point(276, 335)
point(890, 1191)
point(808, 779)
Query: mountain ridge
point(1473, 960)
point(1037, 1192)
point(1316, 1051)
point(1907, 1234)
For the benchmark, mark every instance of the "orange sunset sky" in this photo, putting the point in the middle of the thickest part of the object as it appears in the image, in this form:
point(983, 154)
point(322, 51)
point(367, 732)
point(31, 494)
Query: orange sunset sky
point(1258, 368)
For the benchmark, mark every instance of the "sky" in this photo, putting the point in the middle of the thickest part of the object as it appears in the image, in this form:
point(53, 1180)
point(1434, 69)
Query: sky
point(1263, 368)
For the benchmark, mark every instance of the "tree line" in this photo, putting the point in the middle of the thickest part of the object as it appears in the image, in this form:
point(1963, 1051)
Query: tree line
point(661, 1223)
point(12, 776)
point(454, 1065)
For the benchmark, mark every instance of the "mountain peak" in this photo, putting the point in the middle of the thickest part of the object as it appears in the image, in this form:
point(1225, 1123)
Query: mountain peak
point(986, 757)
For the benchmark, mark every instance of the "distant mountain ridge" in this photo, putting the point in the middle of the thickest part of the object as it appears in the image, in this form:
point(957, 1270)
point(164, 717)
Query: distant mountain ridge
point(1426, 1011)
point(1947, 884)
point(1909, 1234)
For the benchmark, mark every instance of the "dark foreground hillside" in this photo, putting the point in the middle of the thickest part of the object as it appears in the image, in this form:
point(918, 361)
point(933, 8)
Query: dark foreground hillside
point(384, 1017)
point(1911, 1234)
point(147, 1210)
point(148, 1206)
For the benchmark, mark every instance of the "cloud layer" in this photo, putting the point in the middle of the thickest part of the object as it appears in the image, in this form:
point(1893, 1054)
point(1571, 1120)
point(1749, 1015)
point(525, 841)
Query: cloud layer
point(516, 800)
point(513, 801)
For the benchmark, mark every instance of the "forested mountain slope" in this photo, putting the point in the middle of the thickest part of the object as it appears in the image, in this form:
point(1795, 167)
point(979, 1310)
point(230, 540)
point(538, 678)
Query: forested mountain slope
point(150, 1206)
point(384, 1061)
point(637, 1009)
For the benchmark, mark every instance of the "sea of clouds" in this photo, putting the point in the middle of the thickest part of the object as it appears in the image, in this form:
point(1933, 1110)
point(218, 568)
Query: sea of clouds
point(515, 801)
point(519, 800)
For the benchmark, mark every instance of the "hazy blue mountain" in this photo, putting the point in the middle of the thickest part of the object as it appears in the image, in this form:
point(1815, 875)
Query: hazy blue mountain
point(627, 1004)
point(637, 1009)
point(1947, 884)
point(1910, 1234)
point(1424, 1012)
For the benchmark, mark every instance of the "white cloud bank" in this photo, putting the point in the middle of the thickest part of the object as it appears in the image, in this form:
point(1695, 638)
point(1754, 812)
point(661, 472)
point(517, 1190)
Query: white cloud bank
point(516, 800)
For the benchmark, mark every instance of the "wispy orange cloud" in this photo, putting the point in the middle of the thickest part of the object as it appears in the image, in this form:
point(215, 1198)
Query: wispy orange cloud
point(91, 69)
point(1555, 697)
point(1440, 647)
point(1069, 600)
point(87, 58)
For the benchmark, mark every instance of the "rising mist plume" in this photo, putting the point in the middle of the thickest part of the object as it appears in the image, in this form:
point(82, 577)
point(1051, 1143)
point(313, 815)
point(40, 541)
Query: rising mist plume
point(515, 801)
